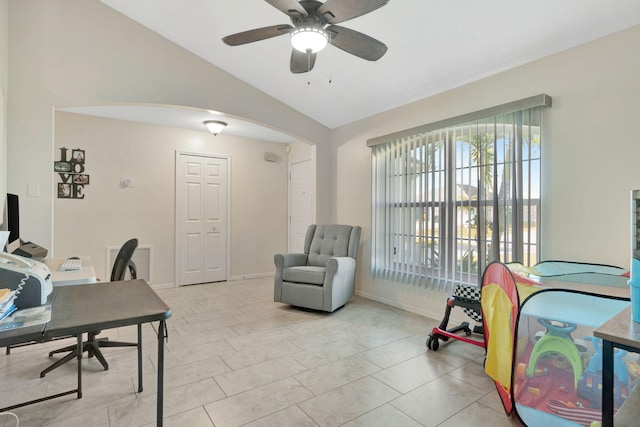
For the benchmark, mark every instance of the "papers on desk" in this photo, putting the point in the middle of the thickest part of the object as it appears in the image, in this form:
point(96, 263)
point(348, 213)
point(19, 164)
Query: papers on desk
point(6, 302)
point(27, 317)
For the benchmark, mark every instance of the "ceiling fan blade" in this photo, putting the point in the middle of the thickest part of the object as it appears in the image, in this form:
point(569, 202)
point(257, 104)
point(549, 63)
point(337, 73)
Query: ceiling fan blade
point(290, 7)
point(335, 11)
point(257, 34)
point(356, 43)
point(302, 62)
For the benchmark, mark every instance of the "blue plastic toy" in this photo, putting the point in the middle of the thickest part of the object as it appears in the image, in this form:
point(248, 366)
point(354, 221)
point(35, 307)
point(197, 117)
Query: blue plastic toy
point(619, 368)
point(590, 384)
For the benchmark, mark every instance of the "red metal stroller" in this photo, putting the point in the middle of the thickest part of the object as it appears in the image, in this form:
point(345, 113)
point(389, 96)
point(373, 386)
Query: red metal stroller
point(467, 297)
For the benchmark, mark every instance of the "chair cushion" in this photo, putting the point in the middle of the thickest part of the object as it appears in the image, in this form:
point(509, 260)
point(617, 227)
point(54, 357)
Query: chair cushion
point(329, 241)
point(304, 274)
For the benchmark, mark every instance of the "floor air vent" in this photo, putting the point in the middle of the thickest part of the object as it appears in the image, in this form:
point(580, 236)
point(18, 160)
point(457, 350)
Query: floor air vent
point(141, 257)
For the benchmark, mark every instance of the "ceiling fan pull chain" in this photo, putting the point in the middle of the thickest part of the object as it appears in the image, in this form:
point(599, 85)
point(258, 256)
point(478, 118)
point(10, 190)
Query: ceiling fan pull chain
point(308, 64)
point(330, 62)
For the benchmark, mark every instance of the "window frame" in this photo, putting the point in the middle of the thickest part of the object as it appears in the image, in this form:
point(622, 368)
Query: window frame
point(399, 179)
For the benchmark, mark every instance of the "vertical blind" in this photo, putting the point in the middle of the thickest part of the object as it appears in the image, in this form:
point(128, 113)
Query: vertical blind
point(451, 197)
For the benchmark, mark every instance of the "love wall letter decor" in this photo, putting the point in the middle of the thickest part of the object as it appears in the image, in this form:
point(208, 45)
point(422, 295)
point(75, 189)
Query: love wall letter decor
point(71, 173)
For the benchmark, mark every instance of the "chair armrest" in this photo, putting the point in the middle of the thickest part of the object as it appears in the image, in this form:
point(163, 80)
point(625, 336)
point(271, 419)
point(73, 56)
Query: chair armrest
point(283, 261)
point(339, 281)
point(340, 265)
point(289, 260)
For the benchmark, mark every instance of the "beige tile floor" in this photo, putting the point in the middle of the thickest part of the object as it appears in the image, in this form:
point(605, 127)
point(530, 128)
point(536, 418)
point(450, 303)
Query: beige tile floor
point(236, 358)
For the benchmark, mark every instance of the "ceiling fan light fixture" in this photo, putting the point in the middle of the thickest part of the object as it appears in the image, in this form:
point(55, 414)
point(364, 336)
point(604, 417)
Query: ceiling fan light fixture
point(309, 39)
point(215, 126)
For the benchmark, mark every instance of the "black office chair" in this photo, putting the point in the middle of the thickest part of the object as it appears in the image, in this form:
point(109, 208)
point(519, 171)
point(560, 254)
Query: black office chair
point(122, 263)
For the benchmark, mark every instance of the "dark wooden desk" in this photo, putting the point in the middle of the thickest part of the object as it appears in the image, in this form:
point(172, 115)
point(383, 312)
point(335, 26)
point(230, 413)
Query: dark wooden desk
point(81, 309)
point(621, 332)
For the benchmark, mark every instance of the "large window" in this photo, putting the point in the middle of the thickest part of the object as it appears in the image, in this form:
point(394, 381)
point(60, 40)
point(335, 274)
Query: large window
point(450, 197)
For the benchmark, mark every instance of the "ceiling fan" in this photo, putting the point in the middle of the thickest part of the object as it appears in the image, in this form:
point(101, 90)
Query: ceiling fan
point(314, 27)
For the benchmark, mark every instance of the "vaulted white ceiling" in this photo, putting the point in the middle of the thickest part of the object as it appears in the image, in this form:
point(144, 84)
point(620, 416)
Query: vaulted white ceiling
point(434, 46)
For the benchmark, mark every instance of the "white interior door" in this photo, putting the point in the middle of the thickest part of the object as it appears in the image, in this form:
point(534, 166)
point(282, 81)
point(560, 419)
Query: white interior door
point(300, 204)
point(201, 218)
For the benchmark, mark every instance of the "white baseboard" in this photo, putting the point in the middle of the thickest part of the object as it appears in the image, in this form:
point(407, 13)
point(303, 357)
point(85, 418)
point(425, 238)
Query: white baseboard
point(406, 307)
point(163, 285)
point(456, 316)
point(233, 278)
point(252, 276)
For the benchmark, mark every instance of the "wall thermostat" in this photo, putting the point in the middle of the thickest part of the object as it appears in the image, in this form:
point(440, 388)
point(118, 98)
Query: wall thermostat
point(127, 182)
point(271, 157)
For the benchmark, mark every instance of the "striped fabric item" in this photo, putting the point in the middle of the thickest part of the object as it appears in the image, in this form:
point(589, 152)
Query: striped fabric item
point(582, 416)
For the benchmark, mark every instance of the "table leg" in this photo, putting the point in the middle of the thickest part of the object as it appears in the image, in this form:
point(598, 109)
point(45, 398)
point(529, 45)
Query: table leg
point(607, 383)
point(161, 334)
point(79, 351)
point(77, 391)
point(139, 358)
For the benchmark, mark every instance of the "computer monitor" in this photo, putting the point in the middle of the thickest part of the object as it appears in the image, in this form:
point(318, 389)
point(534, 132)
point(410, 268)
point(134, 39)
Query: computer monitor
point(11, 223)
point(13, 218)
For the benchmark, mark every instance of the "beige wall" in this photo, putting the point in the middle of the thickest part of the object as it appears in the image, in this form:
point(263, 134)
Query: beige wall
point(298, 152)
point(4, 72)
point(81, 52)
point(65, 52)
point(591, 153)
point(109, 215)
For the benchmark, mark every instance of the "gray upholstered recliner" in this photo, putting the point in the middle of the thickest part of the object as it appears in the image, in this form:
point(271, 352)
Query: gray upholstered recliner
point(323, 277)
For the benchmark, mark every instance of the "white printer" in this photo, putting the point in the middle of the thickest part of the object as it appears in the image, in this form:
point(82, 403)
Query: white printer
point(32, 278)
